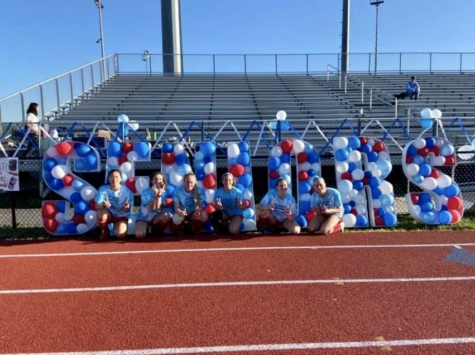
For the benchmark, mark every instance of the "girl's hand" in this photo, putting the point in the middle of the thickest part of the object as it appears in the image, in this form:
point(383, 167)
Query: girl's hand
point(106, 203)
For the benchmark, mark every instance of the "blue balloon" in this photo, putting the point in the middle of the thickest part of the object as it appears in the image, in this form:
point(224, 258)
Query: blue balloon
point(428, 217)
point(170, 189)
point(285, 158)
point(425, 169)
point(417, 159)
point(61, 229)
point(301, 221)
point(375, 193)
point(56, 184)
point(49, 164)
point(438, 190)
point(346, 208)
point(79, 165)
point(181, 159)
point(304, 207)
point(366, 149)
point(78, 185)
point(82, 149)
point(249, 213)
point(304, 187)
point(287, 178)
point(444, 208)
point(373, 157)
point(368, 175)
point(446, 150)
point(70, 228)
point(418, 178)
point(444, 217)
point(274, 163)
point(244, 159)
point(426, 123)
point(142, 149)
point(358, 185)
point(341, 154)
point(207, 148)
point(424, 197)
point(311, 172)
point(272, 183)
point(313, 158)
point(352, 204)
point(200, 174)
point(354, 142)
point(308, 148)
point(199, 164)
point(245, 180)
point(451, 191)
point(167, 148)
point(61, 206)
point(232, 161)
point(243, 147)
point(361, 220)
point(114, 150)
point(208, 227)
point(390, 219)
point(426, 207)
point(90, 161)
point(81, 207)
point(374, 181)
point(48, 178)
point(240, 187)
point(75, 197)
point(184, 169)
point(411, 150)
point(384, 166)
point(381, 212)
point(351, 167)
point(386, 200)
point(430, 142)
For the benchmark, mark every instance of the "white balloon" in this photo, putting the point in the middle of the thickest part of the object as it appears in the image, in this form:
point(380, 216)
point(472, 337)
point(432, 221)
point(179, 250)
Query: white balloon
point(437, 114)
point(345, 198)
point(210, 195)
point(284, 169)
point(247, 194)
point(210, 168)
point(360, 199)
point(298, 146)
point(376, 173)
point(170, 168)
point(248, 169)
point(305, 197)
point(123, 118)
point(177, 219)
point(90, 217)
point(113, 162)
point(417, 209)
point(233, 150)
point(412, 169)
point(59, 171)
point(383, 155)
point(444, 181)
point(60, 218)
point(419, 143)
point(67, 191)
point(372, 166)
point(251, 213)
point(340, 142)
point(199, 184)
point(199, 156)
point(126, 167)
point(438, 161)
point(276, 151)
point(82, 228)
point(390, 209)
point(281, 115)
point(134, 125)
point(443, 200)
point(376, 203)
point(371, 142)
point(357, 174)
point(360, 209)
point(315, 167)
point(353, 193)
point(178, 149)
point(349, 219)
point(386, 187)
point(429, 183)
point(141, 184)
point(345, 186)
point(132, 156)
point(249, 224)
point(176, 179)
point(426, 113)
point(52, 152)
point(88, 193)
point(355, 156)
point(305, 166)
point(343, 167)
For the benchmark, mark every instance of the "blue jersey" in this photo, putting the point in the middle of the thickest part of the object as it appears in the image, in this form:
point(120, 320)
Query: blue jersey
point(229, 200)
point(187, 199)
point(331, 200)
point(281, 204)
point(412, 86)
point(116, 198)
point(147, 214)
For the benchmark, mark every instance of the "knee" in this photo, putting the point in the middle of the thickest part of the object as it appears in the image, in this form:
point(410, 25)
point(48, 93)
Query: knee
point(325, 231)
point(121, 235)
point(234, 230)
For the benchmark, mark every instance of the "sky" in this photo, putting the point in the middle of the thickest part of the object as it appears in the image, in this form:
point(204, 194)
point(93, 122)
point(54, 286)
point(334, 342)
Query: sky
point(41, 39)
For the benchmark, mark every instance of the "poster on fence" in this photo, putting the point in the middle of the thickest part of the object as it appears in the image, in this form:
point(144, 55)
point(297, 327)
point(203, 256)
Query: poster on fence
point(9, 177)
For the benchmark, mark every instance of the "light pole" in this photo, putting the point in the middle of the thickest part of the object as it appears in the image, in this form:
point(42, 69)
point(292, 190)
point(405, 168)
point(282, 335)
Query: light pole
point(100, 6)
point(376, 3)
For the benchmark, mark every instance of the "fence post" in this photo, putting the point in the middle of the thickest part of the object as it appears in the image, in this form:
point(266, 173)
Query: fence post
point(369, 63)
point(359, 126)
point(150, 63)
point(346, 83)
point(461, 54)
point(307, 64)
point(430, 63)
point(71, 87)
point(276, 69)
point(12, 194)
point(371, 99)
point(400, 62)
point(395, 108)
point(245, 65)
point(214, 65)
point(22, 98)
point(279, 130)
point(362, 92)
point(117, 63)
point(92, 78)
point(57, 96)
point(82, 80)
point(42, 100)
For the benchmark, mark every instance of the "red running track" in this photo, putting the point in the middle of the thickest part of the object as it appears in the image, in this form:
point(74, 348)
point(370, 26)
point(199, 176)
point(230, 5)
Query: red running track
point(215, 316)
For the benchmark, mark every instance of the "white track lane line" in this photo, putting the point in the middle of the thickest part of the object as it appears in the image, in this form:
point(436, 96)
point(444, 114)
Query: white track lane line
point(165, 251)
point(272, 347)
point(235, 283)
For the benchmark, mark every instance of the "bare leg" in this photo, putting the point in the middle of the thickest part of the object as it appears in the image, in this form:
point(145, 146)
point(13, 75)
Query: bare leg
point(198, 222)
point(141, 229)
point(103, 218)
point(329, 225)
point(235, 224)
point(292, 227)
point(120, 229)
point(316, 223)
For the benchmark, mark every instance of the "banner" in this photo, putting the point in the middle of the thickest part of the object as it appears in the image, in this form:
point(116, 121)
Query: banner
point(9, 178)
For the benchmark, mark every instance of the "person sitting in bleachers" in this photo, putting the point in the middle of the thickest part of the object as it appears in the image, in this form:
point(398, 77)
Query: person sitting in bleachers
point(413, 89)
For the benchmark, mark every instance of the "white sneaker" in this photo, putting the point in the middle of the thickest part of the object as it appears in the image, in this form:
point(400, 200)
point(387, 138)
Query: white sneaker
point(342, 227)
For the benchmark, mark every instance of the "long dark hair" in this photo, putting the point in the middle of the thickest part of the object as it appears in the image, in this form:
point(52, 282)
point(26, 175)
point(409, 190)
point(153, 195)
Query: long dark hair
point(33, 108)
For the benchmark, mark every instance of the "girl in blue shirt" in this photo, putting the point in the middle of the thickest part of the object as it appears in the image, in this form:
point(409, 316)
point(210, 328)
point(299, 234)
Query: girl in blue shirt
point(153, 210)
point(326, 203)
point(188, 201)
point(278, 208)
point(228, 204)
point(113, 205)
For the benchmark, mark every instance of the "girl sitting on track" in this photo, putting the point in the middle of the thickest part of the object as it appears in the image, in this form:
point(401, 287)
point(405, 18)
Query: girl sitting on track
point(228, 204)
point(326, 202)
point(153, 210)
point(188, 200)
point(113, 204)
point(278, 208)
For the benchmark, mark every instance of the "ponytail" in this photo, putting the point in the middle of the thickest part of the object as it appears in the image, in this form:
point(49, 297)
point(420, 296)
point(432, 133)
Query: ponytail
point(195, 189)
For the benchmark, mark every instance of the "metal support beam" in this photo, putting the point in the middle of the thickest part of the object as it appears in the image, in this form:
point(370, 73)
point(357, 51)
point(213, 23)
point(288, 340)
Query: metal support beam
point(171, 37)
point(345, 37)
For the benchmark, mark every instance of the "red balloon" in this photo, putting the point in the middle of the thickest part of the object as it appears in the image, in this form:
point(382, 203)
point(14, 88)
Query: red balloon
point(454, 203)
point(450, 160)
point(64, 148)
point(49, 210)
point(68, 180)
point(436, 150)
point(363, 140)
point(415, 199)
point(274, 174)
point(168, 158)
point(127, 147)
point(434, 174)
point(378, 147)
point(455, 216)
point(51, 225)
point(423, 152)
point(237, 170)
point(78, 219)
point(209, 209)
point(303, 176)
point(169, 202)
point(130, 183)
point(408, 159)
point(347, 176)
point(353, 211)
point(209, 181)
point(122, 159)
point(378, 221)
point(365, 181)
point(92, 205)
point(309, 216)
point(302, 157)
point(312, 190)
point(286, 146)
point(247, 203)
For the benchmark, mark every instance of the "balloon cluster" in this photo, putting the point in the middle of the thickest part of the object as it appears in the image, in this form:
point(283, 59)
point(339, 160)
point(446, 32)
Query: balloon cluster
point(428, 117)
point(308, 167)
point(419, 158)
point(239, 164)
point(352, 181)
point(175, 165)
point(122, 156)
point(59, 178)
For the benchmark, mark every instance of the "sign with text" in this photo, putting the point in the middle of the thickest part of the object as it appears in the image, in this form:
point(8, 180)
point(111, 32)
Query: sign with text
point(9, 177)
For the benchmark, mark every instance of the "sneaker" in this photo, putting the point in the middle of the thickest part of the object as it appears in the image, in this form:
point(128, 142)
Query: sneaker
point(342, 227)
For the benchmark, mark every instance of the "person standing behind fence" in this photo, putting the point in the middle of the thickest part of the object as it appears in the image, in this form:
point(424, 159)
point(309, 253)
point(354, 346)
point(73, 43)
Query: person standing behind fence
point(113, 205)
point(326, 203)
point(278, 208)
point(153, 209)
point(32, 118)
point(413, 89)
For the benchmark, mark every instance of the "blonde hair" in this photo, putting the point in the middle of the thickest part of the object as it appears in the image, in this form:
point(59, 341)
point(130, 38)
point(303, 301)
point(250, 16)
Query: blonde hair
point(195, 189)
point(164, 179)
